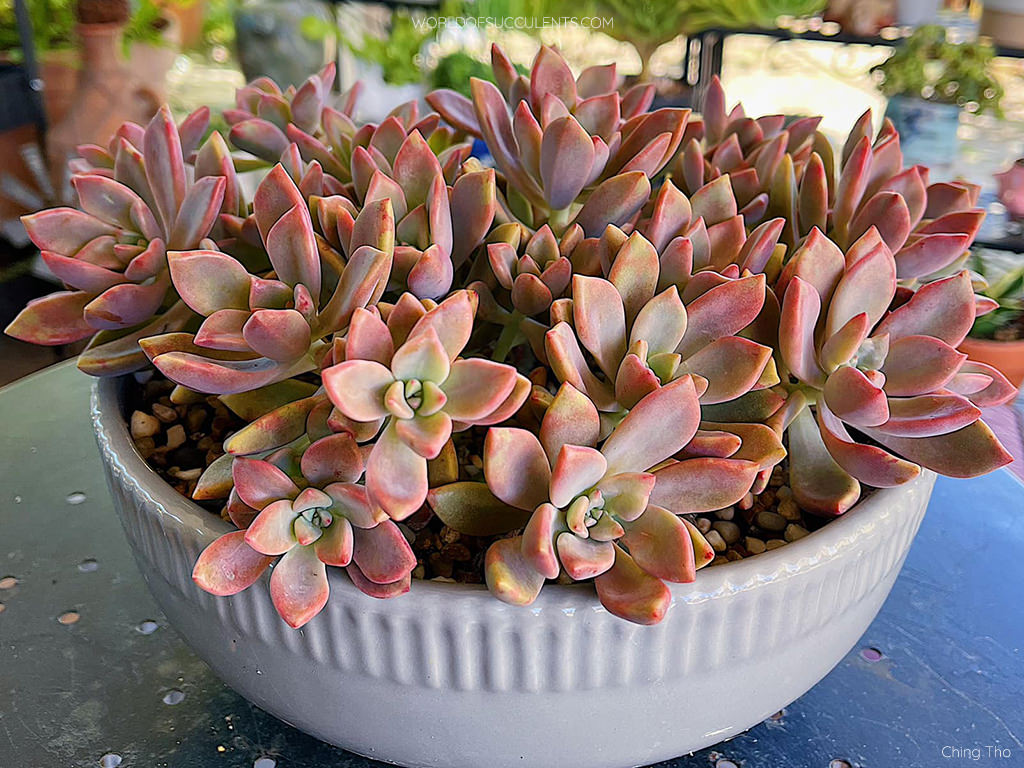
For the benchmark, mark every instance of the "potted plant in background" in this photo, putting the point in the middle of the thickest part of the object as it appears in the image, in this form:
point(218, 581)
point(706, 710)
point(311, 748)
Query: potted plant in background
point(643, 344)
point(152, 40)
point(929, 80)
point(997, 337)
point(284, 40)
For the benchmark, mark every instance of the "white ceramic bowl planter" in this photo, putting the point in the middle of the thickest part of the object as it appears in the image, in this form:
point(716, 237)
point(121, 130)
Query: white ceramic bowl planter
point(448, 676)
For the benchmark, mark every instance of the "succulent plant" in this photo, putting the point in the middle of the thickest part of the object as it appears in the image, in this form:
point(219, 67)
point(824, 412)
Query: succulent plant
point(570, 149)
point(883, 362)
point(325, 519)
point(138, 202)
point(407, 376)
point(634, 318)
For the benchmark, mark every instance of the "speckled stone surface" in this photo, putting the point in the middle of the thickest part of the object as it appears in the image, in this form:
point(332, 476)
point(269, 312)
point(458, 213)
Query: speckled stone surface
point(937, 679)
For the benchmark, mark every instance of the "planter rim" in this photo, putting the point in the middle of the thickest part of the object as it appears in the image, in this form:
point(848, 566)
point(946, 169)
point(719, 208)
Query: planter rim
point(823, 544)
point(992, 342)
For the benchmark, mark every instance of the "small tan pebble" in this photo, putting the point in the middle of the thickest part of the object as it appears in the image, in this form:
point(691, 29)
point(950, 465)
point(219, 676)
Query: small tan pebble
point(789, 509)
point(187, 474)
point(725, 514)
point(728, 530)
point(444, 579)
point(765, 499)
point(145, 447)
point(746, 502)
point(754, 546)
point(419, 572)
point(771, 521)
point(476, 461)
point(794, 532)
point(732, 555)
point(774, 543)
point(715, 540)
point(703, 524)
point(144, 425)
point(440, 565)
point(194, 419)
point(449, 535)
point(472, 471)
point(175, 437)
point(456, 552)
point(719, 560)
point(165, 413)
point(784, 492)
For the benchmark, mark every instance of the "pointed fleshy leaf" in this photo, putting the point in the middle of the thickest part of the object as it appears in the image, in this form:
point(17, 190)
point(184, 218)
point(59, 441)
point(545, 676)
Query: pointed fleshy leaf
point(125, 305)
point(272, 429)
point(854, 398)
point(279, 334)
point(570, 419)
point(229, 565)
point(615, 201)
point(198, 213)
point(209, 280)
point(64, 230)
point(732, 366)
point(929, 415)
point(382, 553)
point(332, 459)
point(600, 320)
point(656, 428)
point(292, 249)
point(820, 485)
point(583, 558)
point(516, 468)
point(271, 533)
point(165, 166)
point(334, 547)
point(357, 388)
point(422, 357)
point(722, 311)
point(867, 286)
point(943, 309)
point(660, 544)
point(630, 593)
point(259, 483)
point(576, 470)
point(510, 577)
point(566, 157)
point(918, 365)
point(298, 586)
point(471, 509)
point(703, 484)
point(968, 452)
point(476, 387)
point(396, 476)
point(868, 463)
point(426, 435)
point(53, 320)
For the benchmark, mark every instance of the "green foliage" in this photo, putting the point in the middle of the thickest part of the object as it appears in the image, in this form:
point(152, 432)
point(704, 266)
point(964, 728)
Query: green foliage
point(928, 66)
point(1005, 277)
point(53, 26)
point(146, 25)
point(397, 54)
point(454, 70)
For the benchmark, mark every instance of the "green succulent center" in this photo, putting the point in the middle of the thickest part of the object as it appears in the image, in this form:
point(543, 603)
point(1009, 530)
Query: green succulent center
point(317, 517)
point(414, 393)
point(585, 510)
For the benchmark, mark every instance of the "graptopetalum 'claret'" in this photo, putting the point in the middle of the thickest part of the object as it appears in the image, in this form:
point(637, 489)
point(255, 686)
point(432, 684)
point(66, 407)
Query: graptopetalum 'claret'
point(631, 318)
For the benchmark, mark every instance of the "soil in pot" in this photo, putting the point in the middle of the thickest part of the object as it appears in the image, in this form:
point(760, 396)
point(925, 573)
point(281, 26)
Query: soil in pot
point(180, 441)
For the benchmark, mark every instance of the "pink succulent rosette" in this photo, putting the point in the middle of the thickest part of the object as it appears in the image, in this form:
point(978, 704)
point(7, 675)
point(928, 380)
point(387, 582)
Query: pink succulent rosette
point(635, 316)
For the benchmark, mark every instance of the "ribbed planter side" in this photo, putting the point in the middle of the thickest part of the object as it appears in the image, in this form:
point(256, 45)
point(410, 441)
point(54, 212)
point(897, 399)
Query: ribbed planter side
point(448, 676)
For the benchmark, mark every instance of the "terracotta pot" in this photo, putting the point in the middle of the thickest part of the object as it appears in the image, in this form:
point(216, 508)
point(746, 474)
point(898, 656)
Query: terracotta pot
point(59, 73)
point(447, 676)
point(1007, 356)
point(107, 93)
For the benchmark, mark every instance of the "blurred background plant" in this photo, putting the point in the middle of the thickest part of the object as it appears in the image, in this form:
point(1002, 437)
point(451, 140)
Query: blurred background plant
point(931, 67)
point(1005, 278)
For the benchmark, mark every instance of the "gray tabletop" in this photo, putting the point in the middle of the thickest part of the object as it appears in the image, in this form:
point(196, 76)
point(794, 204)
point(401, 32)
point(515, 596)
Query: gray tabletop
point(92, 675)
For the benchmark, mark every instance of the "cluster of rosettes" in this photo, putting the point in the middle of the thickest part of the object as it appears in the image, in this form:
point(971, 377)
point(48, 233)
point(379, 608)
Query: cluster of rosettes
point(633, 317)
